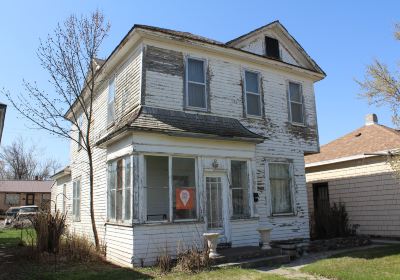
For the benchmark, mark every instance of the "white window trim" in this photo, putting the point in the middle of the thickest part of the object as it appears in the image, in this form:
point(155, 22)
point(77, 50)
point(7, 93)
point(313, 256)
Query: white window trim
point(170, 189)
point(296, 102)
point(249, 189)
point(132, 214)
point(253, 93)
point(205, 65)
point(268, 188)
point(74, 199)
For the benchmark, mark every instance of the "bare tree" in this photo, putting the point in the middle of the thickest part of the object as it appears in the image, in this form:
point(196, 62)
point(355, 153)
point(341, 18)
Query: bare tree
point(381, 86)
point(19, 161)
point(69, 56)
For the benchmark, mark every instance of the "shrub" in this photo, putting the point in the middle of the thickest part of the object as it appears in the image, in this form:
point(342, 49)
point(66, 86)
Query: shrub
point(164, 262)
point(332, 222)
point(79, 248)
point(193, 260)
point(49, 228)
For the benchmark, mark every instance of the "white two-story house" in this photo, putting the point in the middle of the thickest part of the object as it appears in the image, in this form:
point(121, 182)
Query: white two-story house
point(192, 136)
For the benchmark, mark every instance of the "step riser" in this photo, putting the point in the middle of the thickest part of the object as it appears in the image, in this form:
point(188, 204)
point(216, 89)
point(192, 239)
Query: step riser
point(262, 262)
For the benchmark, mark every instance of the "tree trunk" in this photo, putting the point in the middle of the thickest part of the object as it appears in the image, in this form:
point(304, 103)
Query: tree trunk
point(91, 183)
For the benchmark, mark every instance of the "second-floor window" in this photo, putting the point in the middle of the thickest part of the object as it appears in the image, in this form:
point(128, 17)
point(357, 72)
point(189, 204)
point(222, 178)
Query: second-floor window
point(296, 106)
point(111, 101)
point(80, 129)
point(253, 96)
point(196, 95)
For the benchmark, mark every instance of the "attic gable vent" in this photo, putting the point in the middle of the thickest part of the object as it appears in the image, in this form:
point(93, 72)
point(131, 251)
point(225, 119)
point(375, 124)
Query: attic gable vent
point(272, 47)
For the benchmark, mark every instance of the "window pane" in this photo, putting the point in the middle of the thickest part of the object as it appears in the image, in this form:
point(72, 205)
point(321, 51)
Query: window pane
point(196, 95)
point(184, 188)
point(297, 112)
point(112, 168)
point(111, 212)
point(280, 188)
point(127, 188)
point(118, 202)
point(12, 199)
point(214, 202)
point(253, 105)
point(240, 199)
point(196, 70)
point(251, 82)
point(295, 93)
point(111, 90)
point(110, 112)
point(157, 188)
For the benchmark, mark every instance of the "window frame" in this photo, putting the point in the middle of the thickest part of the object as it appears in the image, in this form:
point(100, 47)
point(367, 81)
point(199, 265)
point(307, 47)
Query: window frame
point(132, 209)
point(114, 79)
point(250, 199)
point(291, 186)
point(290, 103)
point(74, 199)
point(170, 189)
point(12, 193)
point(260, 103)
point(205, 65)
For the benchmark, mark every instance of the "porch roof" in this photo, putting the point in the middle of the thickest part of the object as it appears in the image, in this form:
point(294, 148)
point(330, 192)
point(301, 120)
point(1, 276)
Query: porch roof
point(180, 123)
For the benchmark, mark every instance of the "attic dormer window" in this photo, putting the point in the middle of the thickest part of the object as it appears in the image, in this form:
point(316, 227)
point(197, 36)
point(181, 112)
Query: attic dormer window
point(272, 47)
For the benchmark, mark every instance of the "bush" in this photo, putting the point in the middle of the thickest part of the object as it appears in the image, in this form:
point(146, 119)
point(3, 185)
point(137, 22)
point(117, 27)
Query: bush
point(79, 248)
point(193, 260)
point(164, 262)
point(49, 228)
point(332, 222)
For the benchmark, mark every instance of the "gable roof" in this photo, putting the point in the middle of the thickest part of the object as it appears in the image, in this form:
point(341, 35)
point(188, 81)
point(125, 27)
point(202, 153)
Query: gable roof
point(178, 123)
point(279, 25)
point(366, 140)
point(26, 186)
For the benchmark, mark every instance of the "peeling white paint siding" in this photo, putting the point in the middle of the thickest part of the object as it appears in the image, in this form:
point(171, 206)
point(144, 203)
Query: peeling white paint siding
point(368, 189)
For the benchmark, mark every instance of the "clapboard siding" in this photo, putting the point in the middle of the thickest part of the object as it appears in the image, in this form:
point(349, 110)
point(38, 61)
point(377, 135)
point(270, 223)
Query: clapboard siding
point(368, 189)
point(119, 244)
point(244, 233)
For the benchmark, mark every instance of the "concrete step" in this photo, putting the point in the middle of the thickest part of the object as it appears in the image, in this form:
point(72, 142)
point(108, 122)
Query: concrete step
point(238, 254)
point(257, 262)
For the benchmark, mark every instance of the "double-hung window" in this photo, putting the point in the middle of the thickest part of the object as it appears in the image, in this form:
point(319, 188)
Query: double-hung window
point(76, 200)
point(252, 92)
point(111, 101)
point(170, 188)
point(196, 95)
point(280, 178)
point(120, 189)
point(296, 103)
point(240, 189)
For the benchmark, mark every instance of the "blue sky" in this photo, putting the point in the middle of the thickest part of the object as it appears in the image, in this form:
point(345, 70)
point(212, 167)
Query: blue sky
point(342, 36)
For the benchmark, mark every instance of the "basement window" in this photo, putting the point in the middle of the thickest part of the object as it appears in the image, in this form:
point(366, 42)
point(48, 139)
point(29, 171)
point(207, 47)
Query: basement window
point(272, 47)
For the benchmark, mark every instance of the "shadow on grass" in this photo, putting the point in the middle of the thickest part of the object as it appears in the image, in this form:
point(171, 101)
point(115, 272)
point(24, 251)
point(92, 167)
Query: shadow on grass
point(372, 253)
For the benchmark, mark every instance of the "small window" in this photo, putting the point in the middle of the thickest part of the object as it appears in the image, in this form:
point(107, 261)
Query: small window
point(196, 84)
point(272, 48)
point(12, 199)
point(120, 189)
point(111, 101)
point(253, 96)
point(296, 103)
point(280, 186)
point(76, 200)
point(240, 189)
point(80, 129)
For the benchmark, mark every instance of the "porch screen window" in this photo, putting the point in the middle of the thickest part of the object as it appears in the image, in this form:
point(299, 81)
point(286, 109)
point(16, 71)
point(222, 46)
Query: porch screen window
point(196, 84)
point(184, 188)
point(119, 189)
point(12, 199)
point(296, 103)
point(76, 200)
point(157, 188)
point(240, 189)
point(252, 90)
point(111, 101)
point(280, 185)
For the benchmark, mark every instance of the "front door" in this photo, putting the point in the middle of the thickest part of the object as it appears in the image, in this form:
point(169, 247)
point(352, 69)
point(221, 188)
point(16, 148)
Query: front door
point(217, 218)
point(321, 208)
point(30, 199)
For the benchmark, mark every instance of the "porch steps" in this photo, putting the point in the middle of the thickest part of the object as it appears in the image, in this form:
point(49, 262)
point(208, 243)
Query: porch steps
point(250, 257)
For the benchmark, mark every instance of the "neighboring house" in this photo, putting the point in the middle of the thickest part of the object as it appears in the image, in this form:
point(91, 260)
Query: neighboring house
point(3, 108)
point(354, 170)
point(24, 192)
point(194, 135)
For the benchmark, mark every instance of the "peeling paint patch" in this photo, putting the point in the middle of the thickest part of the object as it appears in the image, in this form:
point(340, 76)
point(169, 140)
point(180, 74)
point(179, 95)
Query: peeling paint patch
point(163, 61)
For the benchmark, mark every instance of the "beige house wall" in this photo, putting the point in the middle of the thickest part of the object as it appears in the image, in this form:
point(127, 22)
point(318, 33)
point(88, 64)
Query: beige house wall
point(368, 189)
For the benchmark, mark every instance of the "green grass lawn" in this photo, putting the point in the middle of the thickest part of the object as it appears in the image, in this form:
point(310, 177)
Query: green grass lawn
point(22, 267)
point(378, 263)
